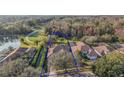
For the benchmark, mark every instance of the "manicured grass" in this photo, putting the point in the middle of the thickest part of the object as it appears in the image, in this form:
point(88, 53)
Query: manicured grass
point(61, 40)
point(31, 38)
point(24, 43)
point(39, 39)
point(36, 56)
point(43, 57)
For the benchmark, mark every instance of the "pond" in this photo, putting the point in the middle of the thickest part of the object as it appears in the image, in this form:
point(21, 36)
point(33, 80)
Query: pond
point(9, 41)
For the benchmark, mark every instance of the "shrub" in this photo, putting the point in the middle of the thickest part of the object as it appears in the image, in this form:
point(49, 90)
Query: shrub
point(18, 68)
point(31, 72)
point(12, 68)
point(89, 39)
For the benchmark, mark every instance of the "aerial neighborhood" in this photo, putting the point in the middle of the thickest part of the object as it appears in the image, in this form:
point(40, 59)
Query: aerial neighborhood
point(62, 46)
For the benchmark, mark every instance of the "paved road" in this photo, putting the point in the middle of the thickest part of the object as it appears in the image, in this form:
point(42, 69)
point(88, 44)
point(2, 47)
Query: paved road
point(9, 54)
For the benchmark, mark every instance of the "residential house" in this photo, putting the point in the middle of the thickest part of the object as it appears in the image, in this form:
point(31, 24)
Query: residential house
point(61, 47)
point(76, 46)
point(86, 50)
point(101, 50)
point(57, 48)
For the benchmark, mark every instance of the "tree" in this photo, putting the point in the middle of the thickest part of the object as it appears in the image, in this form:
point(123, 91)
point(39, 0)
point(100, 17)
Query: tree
point(12, 69)
point(106, 38)
point(60, 60)
point(111, 65)
point(91, 39)
point(121, 37)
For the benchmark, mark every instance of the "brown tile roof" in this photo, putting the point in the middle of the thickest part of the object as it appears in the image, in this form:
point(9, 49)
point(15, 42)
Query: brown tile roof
point(50, 51)
point(77, 46)
point(101, 49)
point(121, 49)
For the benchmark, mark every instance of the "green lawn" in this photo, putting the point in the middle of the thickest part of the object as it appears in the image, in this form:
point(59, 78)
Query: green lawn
point(34, 40)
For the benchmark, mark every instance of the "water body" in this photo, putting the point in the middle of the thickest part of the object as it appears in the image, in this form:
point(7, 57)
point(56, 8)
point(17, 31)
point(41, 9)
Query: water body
point(7, 42)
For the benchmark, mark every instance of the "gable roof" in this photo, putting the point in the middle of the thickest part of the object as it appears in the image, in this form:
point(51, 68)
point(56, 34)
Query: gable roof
point(76, 46)
point(57, 48)
point(102, 49)
point(92, 53)
point(60, 47)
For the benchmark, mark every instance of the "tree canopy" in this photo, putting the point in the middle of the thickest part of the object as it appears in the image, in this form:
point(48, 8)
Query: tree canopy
point(111, 65)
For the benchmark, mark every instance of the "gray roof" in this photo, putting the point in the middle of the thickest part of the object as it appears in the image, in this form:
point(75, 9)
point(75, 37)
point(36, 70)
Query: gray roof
point(60, 47)
point(85, 48)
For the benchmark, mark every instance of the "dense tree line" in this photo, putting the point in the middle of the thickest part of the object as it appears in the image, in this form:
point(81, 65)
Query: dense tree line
point(21, 25)
point(80, 26)
point(15, 28)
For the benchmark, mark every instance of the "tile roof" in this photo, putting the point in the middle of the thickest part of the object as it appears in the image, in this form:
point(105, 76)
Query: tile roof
point(101, 49)
point(77, 46)
point(58, 48)
point(85, 48)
